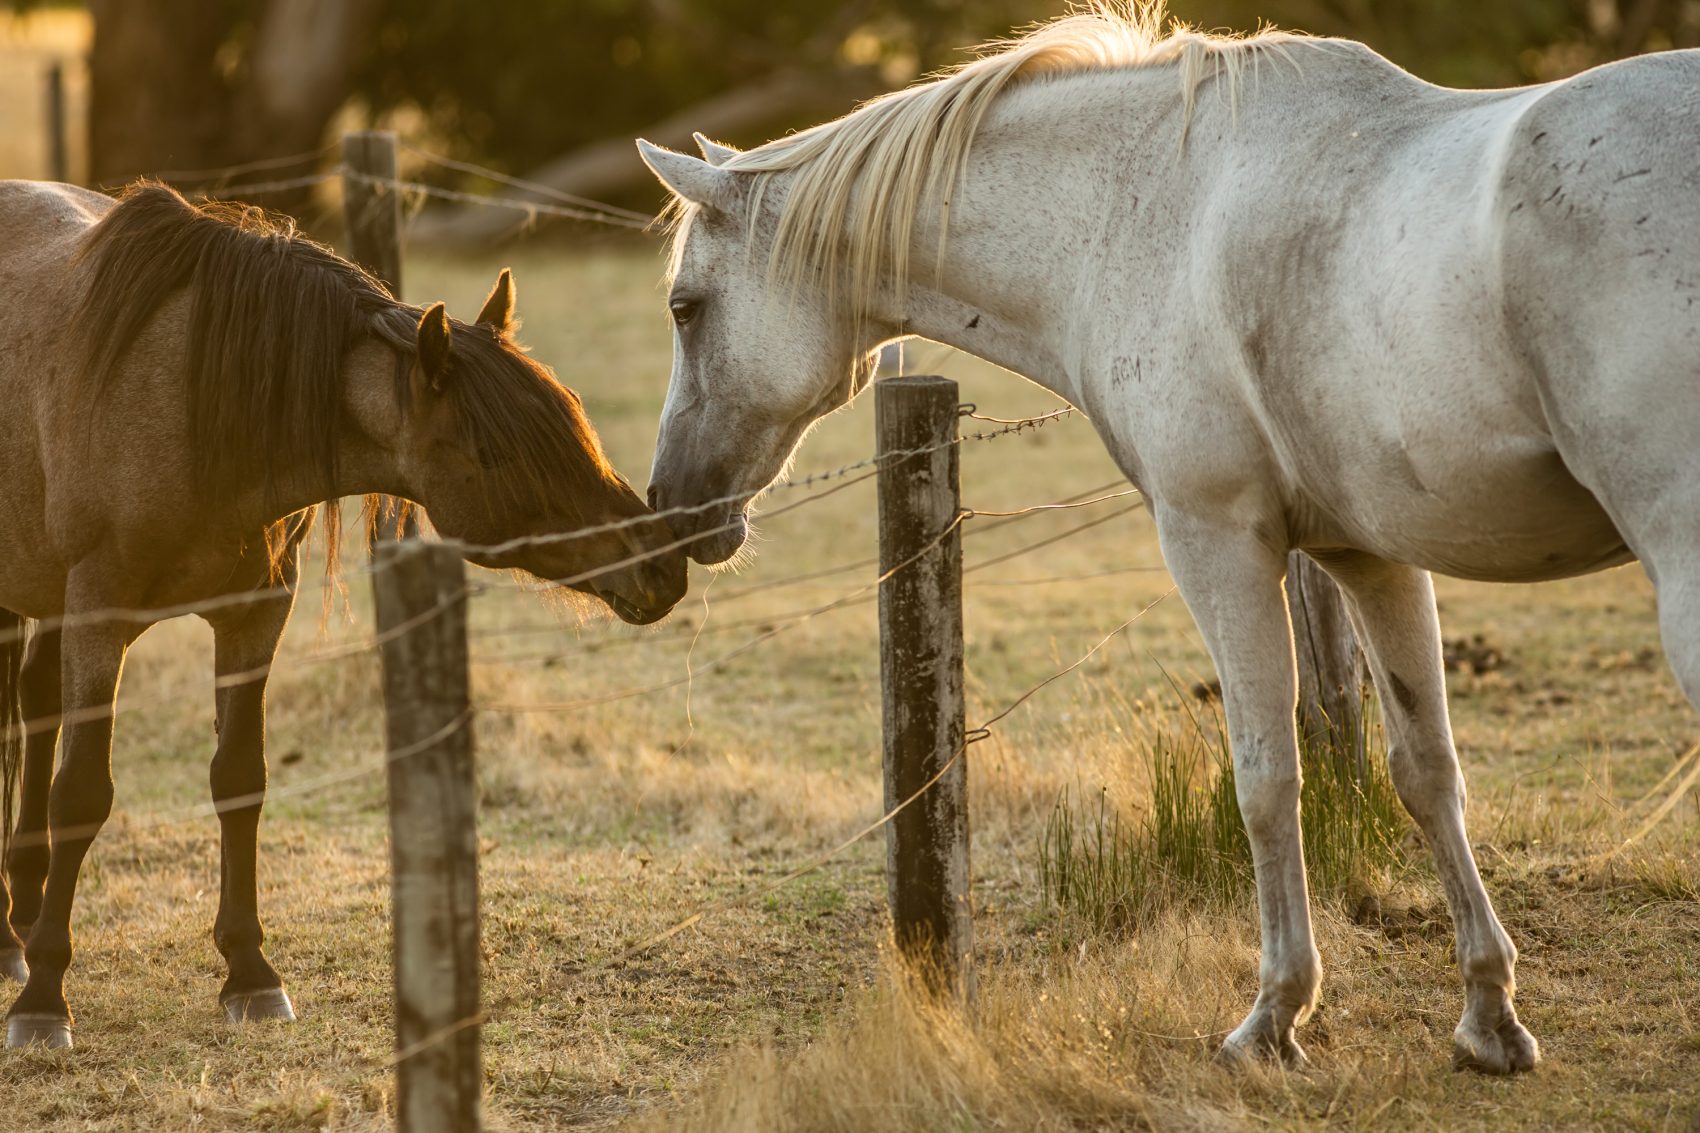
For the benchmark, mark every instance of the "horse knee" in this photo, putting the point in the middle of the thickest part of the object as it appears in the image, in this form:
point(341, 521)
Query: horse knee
point(1268, 798)
point(1427, 779)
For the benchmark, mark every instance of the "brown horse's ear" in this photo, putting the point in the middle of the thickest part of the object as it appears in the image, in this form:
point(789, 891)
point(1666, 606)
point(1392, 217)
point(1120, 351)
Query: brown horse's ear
point(434, 347)
point(498, 309)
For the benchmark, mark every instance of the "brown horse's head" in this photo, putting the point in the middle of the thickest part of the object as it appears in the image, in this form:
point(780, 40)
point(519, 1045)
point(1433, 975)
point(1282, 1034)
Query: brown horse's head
point(451, 415)
point(503, 457)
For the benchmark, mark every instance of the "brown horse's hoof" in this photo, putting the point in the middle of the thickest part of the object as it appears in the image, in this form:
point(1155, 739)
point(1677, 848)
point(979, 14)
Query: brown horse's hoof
point(12, 966)
point(248, 1006)
point(29, 1029)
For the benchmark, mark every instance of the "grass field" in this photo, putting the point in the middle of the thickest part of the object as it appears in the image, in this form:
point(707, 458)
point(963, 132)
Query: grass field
point(605, 824)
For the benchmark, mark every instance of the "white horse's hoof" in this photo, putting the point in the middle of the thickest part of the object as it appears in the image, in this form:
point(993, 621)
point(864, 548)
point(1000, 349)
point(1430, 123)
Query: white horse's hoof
point(1240, 1050)
point(1506, 1049)
point(12, 965)
point(50, 1031)
point(250, 1006)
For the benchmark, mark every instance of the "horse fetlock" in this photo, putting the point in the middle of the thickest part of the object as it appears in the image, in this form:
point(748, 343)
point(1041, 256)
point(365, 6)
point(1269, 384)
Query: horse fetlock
point(1290, 990)
point(13, 966)
point(1488, 968)
point(26, 874)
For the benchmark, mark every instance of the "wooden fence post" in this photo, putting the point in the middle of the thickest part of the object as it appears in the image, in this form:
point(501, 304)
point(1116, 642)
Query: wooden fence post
point(420, 592)
point(58, 157)
point(371, 213)
point(1331, 667)
point(921, 678)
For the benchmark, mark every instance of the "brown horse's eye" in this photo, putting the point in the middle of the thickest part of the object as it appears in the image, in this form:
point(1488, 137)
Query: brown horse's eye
point(684, 311)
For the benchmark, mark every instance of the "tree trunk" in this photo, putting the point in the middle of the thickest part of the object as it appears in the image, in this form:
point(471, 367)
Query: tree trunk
point(304, 54)
point(1331, 667)
point(163, 100)
point(155, 101)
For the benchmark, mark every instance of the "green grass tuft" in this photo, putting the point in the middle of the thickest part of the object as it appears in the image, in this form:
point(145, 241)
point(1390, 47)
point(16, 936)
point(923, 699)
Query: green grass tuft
point(1112, 871)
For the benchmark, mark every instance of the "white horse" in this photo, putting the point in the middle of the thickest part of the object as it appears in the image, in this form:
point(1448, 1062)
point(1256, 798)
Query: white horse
point(1308, 300)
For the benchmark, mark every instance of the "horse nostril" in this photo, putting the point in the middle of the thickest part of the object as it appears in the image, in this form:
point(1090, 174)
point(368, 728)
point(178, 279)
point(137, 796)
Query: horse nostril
point(653, 495)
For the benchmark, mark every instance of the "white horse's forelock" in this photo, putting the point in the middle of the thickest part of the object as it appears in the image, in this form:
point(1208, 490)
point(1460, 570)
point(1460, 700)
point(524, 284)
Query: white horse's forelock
point(858, 183)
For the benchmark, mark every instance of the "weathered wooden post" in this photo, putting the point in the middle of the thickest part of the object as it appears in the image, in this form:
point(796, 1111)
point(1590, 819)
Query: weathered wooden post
point(371, 212)
point(371, 206)
point(420, 592)
point(1331, 667)
point(921, 678)
point(58, 158)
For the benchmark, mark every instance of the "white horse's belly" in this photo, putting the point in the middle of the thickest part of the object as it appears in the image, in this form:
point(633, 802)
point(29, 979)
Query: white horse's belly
point(1512, 513)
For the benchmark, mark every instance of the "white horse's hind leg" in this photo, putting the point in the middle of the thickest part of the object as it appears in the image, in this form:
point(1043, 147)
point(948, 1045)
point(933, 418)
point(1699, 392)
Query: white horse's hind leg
point(1232, 583)
point(1393, 609)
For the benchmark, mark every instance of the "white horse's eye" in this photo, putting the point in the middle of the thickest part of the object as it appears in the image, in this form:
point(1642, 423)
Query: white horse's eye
point(684, 310)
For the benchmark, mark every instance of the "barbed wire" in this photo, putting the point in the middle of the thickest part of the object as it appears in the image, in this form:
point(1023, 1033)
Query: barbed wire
point(521, 183)
point(418, 189)
point(1034, 509)
point(259, 166)
point(810, 865)
point(283, 185)
point(54, 721)
point(777, 626)
point(532, 209)
point(583, 647)
point(169, 815)
point(718, 662)
point(150, 615)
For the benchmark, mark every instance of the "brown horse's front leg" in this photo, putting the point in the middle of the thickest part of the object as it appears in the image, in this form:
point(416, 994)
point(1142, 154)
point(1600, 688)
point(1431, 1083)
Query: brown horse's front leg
point(26, 865)
point(78, 805)
point(246, 642)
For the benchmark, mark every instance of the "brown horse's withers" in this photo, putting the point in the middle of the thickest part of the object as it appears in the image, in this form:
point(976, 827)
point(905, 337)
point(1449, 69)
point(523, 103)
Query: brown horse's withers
point(182, 388)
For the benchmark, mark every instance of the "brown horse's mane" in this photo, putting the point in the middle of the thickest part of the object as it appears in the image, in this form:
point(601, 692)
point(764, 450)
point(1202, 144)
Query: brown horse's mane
point(273, 314)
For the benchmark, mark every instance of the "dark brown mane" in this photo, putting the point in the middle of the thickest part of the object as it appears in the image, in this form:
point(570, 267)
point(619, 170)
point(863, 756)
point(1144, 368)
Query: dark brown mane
point(272, 317)
point(529, 429)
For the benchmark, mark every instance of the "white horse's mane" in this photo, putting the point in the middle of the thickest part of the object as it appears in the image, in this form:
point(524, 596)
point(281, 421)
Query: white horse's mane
point(858, 181)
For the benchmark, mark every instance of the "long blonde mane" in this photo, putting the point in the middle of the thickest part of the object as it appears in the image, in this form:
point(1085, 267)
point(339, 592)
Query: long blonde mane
point(857, 183)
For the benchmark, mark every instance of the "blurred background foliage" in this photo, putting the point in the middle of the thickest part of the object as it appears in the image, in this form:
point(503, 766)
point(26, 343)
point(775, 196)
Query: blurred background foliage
point(555, 89)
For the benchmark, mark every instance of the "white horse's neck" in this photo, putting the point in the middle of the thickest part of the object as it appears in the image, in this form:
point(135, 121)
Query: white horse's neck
point(1040, 206)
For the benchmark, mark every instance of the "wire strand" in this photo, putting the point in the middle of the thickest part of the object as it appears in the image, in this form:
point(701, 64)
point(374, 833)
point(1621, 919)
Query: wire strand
point(538, 187)
point(984, 731)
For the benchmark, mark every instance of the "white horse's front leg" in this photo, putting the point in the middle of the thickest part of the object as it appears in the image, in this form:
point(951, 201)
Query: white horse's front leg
point(1232, 583)
point(1393, 609)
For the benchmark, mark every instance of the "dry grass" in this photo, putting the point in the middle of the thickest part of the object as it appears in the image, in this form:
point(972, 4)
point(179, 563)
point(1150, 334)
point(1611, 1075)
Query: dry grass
point(606, 824)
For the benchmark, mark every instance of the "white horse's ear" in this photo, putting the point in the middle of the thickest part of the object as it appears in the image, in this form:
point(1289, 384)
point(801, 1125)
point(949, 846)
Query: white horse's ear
point(712, 151)
point(693, 178)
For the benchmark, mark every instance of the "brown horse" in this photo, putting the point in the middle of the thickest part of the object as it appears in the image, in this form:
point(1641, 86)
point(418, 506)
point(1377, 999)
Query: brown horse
point(182, 389)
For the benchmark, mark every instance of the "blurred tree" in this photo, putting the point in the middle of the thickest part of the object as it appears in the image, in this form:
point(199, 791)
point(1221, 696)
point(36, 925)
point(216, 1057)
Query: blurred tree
point(557, 89)
point(191, 84)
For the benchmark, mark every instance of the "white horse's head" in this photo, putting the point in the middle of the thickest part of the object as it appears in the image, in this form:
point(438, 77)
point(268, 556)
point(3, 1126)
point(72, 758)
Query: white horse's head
point(756, 359)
